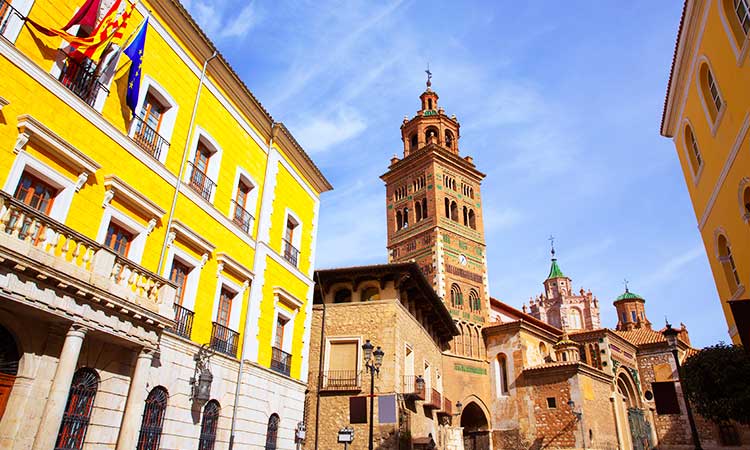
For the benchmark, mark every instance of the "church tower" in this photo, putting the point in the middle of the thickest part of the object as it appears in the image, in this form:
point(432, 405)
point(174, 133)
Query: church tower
point(434, 216)
point(631, 311)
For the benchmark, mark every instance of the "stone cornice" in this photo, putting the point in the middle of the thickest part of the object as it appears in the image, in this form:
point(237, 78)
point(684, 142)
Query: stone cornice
point(132, 196)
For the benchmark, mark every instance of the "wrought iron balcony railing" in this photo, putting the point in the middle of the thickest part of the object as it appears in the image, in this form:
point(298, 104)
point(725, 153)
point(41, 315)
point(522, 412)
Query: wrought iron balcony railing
point(281, 361)
point(291, 253)
point(224, 340)
point(148, 138)
point(200, 182)
point(241, 217)
point(411, 388)
point(183, 319)
point(341, 380)
point(82, 79)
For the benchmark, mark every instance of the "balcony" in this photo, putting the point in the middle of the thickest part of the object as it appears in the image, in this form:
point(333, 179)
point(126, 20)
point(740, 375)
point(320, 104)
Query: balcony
point(241, 217)
point(183, 319)
point(435, 400)
point(148, 138)
point(447, 407)
point(291, 253)
point(7, 14)
point(281, 361)
point(341, 380)
point(82, 79)
point(40, 245)
point(200, 182)
point(224, 340)
point(411, 388)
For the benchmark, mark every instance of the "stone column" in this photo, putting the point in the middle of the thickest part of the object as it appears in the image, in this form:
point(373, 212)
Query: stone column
point(131, 418)
point(54, 409)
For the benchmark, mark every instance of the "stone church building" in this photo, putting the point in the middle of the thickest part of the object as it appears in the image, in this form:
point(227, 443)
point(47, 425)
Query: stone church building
point(460, 369)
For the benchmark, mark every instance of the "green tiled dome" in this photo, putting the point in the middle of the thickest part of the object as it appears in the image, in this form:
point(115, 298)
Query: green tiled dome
point(554, 271)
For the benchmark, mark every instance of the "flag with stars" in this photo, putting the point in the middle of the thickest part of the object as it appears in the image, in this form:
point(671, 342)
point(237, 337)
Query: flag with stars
point(135, 53)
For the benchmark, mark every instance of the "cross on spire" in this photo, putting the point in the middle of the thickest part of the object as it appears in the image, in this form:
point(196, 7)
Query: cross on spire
point(551, 239)
point(626, 284)
point(429, 75)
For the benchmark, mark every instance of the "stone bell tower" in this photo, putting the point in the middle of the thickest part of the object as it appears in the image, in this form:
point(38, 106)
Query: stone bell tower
point(434, 216)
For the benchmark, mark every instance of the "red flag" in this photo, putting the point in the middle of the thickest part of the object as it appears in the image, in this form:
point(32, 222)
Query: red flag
point(86, 15)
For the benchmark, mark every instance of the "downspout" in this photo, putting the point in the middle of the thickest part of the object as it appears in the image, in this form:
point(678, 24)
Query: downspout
point(245, 328)
point(182, 163)
point(320, 363)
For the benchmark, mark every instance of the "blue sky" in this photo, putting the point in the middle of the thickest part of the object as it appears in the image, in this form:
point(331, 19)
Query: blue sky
point(559, 102)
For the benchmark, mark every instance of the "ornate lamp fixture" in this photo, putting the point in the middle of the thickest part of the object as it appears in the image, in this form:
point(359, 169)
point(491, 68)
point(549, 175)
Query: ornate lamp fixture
point(202, 378)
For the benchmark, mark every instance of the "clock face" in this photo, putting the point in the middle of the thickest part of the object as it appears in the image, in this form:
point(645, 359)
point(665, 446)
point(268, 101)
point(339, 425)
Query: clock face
point(462, 259)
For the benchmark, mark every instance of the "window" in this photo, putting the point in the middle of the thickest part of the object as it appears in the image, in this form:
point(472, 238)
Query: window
point(414, 141)
point(36, 193)
point(738, 15)
point(502, 374)
point(624, 317)
point(694, 154)
point(543, 350)
point(727, 261)
point(342, 296)
point(665, 397)
point(454, 211)
point(280, 326)
point(633, 316)
point(242, 216)
point(472, 220)
point(447, 208)
point(424, 207)
point(148, 124)
point(575, 319)
point(179, 275)
point(78, 410)
point(474, 302)
point(745, 199)
point(343, 357)
point(199, 180)
point(272, 432)
point(370, 293)
point(466, 216)
point(448, 139)
point(209, 424)
point(406, 217)
point(153, 419)
point(399, 220)
point(118, 239)
point(710, 92)
point(417, 211)
point(551, 402)
point(225, 307)
point(456, 296)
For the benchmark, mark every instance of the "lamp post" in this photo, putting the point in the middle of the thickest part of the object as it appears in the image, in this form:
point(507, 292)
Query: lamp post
point(579, 418)
point(670, 334)
point(373, 361)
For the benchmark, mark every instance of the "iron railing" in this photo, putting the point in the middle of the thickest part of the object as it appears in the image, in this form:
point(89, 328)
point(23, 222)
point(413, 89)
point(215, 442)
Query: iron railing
point(152, 421)
point(148, 138)
point(241, 217)
point(341, 380)
point(78, 409)
point(183, 321)
point(200, 182)
point(291, 253)
point(281, 361)
point(82, 79)
point(435, 400)
point(411, 388)
point(8, 12)
point(207, 438)
point(224, 340)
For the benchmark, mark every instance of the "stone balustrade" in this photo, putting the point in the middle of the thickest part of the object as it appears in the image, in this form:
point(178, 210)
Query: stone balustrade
point(53, 245)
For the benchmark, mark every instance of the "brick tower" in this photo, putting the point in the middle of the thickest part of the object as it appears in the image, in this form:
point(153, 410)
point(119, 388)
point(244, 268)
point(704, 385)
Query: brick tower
point(434, 215)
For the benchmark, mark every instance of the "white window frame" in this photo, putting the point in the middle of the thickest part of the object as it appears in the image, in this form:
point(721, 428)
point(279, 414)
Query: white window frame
point(251, 204)
point(713, 124)
point(687, 150)
point(214, 162)
point(499, 375)
point(297, 237)
point(13, 29)
point(166, 128)
point(286, 345)
point(741, 51)
point(67, 187)
point(193, 278)
point(137, 246)
point(234, 314)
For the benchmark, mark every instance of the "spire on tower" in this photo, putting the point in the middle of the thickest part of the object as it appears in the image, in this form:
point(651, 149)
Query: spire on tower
point(551, 239)
point(429, 77)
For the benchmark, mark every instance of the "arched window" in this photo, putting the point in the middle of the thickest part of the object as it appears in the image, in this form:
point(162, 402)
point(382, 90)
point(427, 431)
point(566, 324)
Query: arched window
point(153, 419)
point(710, 91)
point(342, 296)
point(693, 153)
point(448, 139)
point(447, 208)
point(458, 342)
point(469, 339)
point(472, 220)
point(209, 424)
point(431, 133)
point(474, 302)
point(78, 409)
point(406, 217)
point(543, 352)
point(456, 296)
point(424, 208)
point(429, 103)
point(399, 220)
point(466, 216)
point(454, 211)
point(575, 319)
point(414, 141)
point(502, 374)
point(370, 293)
point(727, 263)
point(738, 16)
point(744, 194)
point(417, 211)
point(272, 432)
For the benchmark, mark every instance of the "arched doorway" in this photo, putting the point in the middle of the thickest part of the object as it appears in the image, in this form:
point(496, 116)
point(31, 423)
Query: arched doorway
point(638, 429)
point(9, 358)
point(476, 428)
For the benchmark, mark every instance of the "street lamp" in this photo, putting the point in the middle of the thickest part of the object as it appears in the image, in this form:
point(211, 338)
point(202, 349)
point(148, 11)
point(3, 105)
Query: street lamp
point(579, 418)
point(373, 361)
point(670, 334)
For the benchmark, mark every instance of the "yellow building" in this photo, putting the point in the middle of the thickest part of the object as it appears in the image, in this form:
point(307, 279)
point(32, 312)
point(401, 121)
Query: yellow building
point(156, 263)
point(707, 114)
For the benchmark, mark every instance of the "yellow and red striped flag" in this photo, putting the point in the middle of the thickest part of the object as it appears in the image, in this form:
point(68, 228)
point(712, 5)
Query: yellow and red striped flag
point(111, 27)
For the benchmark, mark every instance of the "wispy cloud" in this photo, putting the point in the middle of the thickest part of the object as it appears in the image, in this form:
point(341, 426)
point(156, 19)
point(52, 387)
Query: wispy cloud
point(222, 19)
point(673, 267)
point(321, 133)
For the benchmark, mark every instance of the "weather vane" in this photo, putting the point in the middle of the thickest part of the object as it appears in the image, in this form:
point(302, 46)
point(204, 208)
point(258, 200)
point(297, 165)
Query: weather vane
point(429, 75)
point(551, 239)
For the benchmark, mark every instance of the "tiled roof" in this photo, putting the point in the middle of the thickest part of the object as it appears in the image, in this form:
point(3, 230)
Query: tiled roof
point(554, 270)
point(627, 295)
point(553, 364)
point(642, 336)
point(674, 60)
point(690, 352)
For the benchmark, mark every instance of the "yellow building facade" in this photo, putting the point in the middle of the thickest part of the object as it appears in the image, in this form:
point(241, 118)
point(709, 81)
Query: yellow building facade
point(197, 207)
point(707, 115)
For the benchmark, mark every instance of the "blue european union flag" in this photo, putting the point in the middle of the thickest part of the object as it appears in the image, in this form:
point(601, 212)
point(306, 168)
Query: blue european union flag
point(135, 53)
